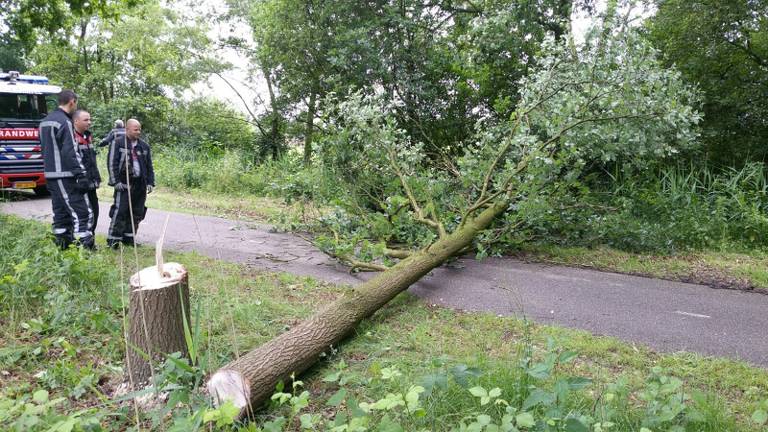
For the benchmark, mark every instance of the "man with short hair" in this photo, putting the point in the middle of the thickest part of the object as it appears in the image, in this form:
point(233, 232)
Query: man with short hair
point(65, 175)
point(132, 175)
point(84, 139)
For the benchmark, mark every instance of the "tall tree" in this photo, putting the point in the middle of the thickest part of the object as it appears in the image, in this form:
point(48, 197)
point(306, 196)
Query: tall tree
point(612, 99)
point(723, 47)
point(447, 63)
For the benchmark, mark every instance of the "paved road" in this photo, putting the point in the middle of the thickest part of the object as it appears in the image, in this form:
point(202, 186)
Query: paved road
point(667, 316)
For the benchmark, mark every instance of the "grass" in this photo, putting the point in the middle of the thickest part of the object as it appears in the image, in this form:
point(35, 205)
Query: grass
point(729, 270)
point(61, 333)
point(237, 207)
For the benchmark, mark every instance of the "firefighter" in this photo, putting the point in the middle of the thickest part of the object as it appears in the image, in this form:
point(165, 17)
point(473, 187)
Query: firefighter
point(133, 177)
point(82, 122)
point(116, 133)
point(65, 175)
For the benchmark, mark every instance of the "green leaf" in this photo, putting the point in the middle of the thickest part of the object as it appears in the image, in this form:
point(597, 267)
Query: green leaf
point(306, 421)
point(537, 397)
point(478, 391)
point(525, 420)
point(760, 417)
point(229, 412)
point(567, 356)
point(461, 374)
point(540, 370)
point(484, 419)
point(66, 425)
point(333, 377)
point(433, 381)
point(337, 398)
point(412, 397)
point(577, 383)
point(40, 396)
point(575, 425)
point(388, 425)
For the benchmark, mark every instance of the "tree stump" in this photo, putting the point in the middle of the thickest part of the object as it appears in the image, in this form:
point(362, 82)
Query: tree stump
point(159, 304)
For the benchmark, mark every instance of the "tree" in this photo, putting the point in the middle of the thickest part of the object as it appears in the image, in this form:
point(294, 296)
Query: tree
point(25, 22)
point(611, 99)
point(446, 62)
point(723, 48)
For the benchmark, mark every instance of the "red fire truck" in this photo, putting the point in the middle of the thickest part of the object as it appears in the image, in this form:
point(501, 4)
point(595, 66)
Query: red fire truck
point(24, 101)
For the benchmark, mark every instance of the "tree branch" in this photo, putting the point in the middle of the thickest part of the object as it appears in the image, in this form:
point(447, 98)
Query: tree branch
point(420, 216)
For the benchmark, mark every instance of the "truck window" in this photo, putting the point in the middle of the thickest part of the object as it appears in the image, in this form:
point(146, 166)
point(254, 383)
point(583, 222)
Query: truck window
point(22, 106)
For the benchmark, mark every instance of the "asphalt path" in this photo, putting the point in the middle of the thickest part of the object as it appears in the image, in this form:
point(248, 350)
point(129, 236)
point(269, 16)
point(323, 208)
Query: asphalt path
point(666, 316)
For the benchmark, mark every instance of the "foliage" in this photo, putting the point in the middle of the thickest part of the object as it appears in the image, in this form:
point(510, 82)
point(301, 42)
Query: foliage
point(24, 21)
point(722, 47)
point(150, 48)
point(678, 208)
point(446, 62)
point(610, 101)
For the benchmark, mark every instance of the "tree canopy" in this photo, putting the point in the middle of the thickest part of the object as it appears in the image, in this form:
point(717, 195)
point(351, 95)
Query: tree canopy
point(722, 46)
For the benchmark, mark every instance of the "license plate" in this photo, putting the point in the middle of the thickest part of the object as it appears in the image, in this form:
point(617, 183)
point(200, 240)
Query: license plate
point(25, 185)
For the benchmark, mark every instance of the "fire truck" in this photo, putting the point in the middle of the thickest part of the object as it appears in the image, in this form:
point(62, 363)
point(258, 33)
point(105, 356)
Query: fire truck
point(24, 101)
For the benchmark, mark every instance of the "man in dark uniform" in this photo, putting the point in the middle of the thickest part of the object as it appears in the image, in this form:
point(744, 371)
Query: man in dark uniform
point(116, 134)
point(84, 139)
point(65, 175)
point(132, 175)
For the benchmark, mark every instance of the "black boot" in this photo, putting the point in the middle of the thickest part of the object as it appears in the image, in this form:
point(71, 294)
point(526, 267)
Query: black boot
point(88, 243)
point(63, 240)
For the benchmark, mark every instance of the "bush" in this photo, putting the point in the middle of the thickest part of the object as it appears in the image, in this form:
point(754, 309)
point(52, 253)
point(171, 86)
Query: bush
point(667, 210)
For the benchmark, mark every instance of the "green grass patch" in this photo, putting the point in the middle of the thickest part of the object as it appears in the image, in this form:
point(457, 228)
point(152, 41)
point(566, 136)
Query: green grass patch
point(61, 357)
point(743, 271)
point(230, 206)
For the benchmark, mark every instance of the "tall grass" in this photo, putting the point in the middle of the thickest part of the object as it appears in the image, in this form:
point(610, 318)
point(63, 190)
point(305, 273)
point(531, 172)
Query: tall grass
point(235, 172)
point(687, 207)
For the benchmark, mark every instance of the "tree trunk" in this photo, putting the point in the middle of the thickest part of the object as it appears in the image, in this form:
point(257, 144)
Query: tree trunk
point(275, 138)
point(308, 131)
point(158, 306)
point(251, 379)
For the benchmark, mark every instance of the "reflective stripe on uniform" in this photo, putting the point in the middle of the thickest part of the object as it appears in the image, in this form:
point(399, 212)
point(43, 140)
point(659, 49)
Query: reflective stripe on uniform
point(50, 123)
point(115, 216)
point(64, 195)
point(61, 174)
point(56, 150)
point(89, 227)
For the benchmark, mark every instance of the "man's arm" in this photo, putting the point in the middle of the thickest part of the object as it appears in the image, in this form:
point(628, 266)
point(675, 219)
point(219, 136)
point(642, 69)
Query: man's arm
point(69, 151)
point(107, 139)
point(113, 162)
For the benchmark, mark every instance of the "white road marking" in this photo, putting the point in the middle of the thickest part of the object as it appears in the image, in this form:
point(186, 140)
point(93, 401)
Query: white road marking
point(692, 314)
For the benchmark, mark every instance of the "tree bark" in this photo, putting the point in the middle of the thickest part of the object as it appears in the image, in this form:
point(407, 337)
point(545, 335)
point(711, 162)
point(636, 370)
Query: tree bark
point(157, 310)
point(309, 129)
point(251, 379)
point(275, 138)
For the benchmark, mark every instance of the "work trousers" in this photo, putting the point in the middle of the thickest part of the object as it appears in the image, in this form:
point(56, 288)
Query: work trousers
point(120, 229)
point(93, 200)
point(72, 215)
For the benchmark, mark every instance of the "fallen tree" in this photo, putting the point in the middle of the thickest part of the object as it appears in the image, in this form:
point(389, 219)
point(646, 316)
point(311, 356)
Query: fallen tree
point(611, 100)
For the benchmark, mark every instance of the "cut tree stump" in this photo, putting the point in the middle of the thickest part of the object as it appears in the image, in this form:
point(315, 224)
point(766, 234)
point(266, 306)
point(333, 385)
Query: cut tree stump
point(158, 306)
